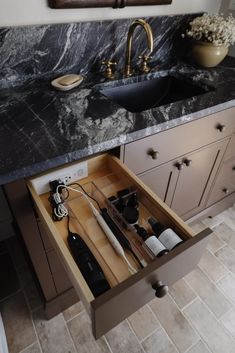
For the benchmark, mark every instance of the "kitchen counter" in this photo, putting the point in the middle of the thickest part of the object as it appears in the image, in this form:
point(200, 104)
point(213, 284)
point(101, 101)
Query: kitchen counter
point(42, 128)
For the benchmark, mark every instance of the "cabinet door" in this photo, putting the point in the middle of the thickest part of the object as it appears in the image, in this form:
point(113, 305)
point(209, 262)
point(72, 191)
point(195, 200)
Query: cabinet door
point(162, 181)
point(194, 177)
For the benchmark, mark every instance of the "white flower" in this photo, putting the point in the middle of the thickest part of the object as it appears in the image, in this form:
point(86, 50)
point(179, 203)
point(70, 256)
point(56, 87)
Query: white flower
point(213, 29)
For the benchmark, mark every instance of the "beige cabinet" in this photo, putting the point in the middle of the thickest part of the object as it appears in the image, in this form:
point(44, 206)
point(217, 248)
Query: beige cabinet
point(182, 164)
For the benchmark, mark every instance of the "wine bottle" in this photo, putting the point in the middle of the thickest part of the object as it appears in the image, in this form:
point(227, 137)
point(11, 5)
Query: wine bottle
point(157, 248)
point(164, 234)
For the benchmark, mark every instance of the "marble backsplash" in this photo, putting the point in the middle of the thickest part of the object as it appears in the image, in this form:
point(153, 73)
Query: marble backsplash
point(40, 51)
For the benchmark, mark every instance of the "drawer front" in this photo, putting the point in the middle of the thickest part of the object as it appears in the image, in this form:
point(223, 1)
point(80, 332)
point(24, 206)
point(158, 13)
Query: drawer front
point(225, 182)
point(157, 149)
point(126, 297)
point(230, 152)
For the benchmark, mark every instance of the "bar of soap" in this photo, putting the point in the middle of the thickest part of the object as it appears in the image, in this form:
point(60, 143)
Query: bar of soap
point(67, 82)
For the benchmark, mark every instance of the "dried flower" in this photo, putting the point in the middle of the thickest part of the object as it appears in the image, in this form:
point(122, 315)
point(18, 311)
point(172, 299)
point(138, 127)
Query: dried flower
point(212, 29)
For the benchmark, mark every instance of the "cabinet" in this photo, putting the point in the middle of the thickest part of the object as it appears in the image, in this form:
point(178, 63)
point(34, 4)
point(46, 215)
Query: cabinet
point(182, 182)
point(182, 164)
point(127, 293)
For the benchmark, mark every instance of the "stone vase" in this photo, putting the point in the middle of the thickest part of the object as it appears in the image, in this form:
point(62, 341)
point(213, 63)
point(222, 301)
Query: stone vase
point(207, 54)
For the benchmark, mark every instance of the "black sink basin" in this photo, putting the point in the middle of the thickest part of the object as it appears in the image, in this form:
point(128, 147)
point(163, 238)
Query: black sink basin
point(144, 95)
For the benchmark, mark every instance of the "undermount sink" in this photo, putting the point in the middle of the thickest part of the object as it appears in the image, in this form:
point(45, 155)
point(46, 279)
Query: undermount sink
point(144, 95)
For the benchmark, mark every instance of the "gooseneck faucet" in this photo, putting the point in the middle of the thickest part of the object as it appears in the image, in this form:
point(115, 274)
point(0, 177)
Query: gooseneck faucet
point(128, 69)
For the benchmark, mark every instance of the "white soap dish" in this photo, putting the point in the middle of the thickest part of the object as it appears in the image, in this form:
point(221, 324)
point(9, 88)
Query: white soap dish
point(67, 82)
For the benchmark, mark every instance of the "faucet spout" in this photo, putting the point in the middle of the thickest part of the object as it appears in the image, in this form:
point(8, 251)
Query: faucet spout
point(149, 35)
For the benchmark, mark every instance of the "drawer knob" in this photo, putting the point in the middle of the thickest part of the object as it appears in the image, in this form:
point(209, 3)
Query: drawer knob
point(160, 289)
point(234, 168)
point(226, 190)
point(187, 162)
point(179, 165)
point(221, 127)
point(153, 153)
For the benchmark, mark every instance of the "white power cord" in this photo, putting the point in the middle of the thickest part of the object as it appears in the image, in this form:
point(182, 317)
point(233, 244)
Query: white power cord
point(63, 212)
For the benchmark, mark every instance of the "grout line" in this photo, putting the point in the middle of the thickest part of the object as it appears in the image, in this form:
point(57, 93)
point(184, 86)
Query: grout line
point(150, 334)
point(31, 345)
point(73, 316)
point(69, 333)
point(131, 329)
point(161, 326)
point(107, 343)
point(35, 330)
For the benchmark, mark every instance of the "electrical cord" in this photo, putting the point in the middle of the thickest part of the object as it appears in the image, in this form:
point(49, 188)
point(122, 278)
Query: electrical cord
point(61, 211)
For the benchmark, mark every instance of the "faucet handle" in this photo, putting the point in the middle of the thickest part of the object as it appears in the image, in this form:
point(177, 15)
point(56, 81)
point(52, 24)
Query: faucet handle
point(108, 73)
point(144, 64)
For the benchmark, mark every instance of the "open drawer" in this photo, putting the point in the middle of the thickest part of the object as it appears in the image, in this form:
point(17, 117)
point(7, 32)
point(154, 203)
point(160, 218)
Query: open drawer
point(129, 294)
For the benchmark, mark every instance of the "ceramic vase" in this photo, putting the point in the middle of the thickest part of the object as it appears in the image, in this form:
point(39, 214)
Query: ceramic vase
point(207, 54)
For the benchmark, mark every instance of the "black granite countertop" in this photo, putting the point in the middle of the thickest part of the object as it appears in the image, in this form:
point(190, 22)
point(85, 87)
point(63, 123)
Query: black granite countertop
point(42, 128)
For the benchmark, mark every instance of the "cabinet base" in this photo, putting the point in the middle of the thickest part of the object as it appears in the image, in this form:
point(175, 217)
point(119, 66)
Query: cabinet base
point(60, 303)
point(215, 209)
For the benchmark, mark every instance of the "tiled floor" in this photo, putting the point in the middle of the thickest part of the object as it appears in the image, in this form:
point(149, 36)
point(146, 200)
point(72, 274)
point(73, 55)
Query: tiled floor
point(197, 316)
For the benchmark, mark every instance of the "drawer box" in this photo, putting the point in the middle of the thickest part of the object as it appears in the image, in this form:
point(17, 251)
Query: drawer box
point(175, 142)
point(128, 295)
point(224, 183)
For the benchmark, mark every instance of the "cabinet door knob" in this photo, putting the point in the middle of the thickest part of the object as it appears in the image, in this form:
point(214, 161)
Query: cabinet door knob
point(233, 168)
point(226, 190)
point(221, 127)
point(153, 153)
point(160, 289)
point(179, 165)
point(187, 162)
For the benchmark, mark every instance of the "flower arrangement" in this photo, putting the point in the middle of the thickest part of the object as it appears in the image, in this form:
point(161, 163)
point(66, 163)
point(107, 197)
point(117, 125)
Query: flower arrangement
point(213, 29)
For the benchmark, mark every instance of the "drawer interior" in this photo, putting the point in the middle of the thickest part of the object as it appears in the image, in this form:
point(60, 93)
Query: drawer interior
point(109, 175)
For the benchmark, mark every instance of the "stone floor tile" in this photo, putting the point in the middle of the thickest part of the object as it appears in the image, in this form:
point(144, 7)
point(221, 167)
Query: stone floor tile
point(143, 322)
point(53, 334)
point(227, 256)
point(73, 311)
point(17, 321)
point(158, 342)
point(122, 340)
point(176, 325)
point(228, 320)
point(227, 286)
point(212, 266)
point(226, 233)
point(35, 348)
point(199, 347)
point(212, 332)
point(208, 292)
point(182, 293)
point(80, 330)
point(215, 243)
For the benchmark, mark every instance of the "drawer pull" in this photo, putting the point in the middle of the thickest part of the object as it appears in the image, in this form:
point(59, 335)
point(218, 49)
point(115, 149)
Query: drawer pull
point(221, 127)
point(160, 289)
point(226, 190)
point(179, 165)
point(233, 168)
point(187, 162)
point(153, 153)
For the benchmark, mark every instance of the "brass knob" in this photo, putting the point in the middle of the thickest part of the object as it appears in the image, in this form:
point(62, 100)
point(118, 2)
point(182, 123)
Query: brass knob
point(187, 162)
point(108, 73)
point(226, 191)
point(179, 165)
point(144, 64)
point(221, 127)
point(153, 153)
point(160, 289)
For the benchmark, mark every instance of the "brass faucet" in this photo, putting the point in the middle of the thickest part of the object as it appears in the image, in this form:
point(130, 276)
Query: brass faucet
point(128, 70)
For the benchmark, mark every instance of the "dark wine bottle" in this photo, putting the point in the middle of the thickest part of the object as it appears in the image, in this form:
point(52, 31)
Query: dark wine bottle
point(165, 234)
point(157, 248)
